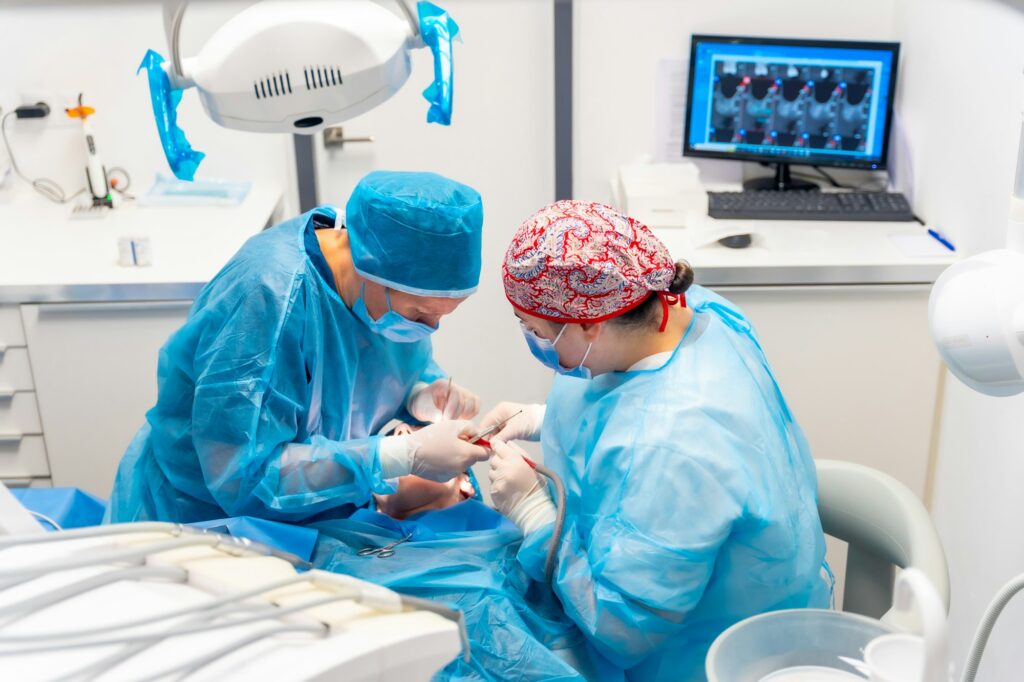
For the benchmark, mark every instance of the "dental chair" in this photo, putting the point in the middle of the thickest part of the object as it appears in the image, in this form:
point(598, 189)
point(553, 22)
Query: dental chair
point(886, 527)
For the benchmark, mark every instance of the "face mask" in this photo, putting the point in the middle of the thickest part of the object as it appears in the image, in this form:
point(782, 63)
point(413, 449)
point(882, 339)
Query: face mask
point(546, 354)
point(391, 325)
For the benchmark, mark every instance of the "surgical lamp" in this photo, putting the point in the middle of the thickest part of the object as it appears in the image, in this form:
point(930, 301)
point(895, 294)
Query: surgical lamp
point(297, 66)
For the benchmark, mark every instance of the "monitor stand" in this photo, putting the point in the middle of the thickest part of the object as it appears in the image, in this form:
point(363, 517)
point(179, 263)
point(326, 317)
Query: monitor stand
point(782, 181)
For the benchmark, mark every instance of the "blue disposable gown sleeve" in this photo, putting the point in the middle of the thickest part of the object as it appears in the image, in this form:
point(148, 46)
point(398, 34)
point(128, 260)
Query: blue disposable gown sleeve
point(630, 580)
point(251, 417)
point(432, 373)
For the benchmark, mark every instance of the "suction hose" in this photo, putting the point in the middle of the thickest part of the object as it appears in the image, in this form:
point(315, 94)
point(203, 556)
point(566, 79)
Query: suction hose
point(556, 534)
point(988, 623)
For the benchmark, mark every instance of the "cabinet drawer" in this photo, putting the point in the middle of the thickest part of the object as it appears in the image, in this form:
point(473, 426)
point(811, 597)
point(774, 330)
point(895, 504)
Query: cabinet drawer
point(15, 373)
point(23, 457)
point(11, 332)
point(20, 414)
point(27, 482)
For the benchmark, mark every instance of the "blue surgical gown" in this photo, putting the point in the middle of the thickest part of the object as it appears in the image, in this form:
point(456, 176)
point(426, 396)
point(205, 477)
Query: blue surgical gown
point(269, 396)
point(692, 500)
point(465, 557)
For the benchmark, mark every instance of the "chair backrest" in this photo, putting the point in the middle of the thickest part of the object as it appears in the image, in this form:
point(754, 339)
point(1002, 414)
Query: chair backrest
point(886, 526)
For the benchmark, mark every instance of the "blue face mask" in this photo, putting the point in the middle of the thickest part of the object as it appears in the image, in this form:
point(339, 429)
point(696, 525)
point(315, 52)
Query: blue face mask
point(546, 354)
point(391, 325)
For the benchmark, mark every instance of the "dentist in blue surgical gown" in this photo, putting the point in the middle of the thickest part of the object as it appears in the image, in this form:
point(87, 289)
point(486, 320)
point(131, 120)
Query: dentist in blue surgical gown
point(311, 338)
point(691, 490)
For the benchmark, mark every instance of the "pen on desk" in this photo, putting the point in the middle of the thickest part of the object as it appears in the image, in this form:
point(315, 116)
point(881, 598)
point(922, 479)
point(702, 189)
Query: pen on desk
point(942, 240)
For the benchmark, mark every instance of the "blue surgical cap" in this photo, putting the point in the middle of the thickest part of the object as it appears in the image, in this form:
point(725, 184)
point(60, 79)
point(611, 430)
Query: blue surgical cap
point(416, 232)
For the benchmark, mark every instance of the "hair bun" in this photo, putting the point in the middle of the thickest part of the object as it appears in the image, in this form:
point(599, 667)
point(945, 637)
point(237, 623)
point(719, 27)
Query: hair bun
point(683, 278)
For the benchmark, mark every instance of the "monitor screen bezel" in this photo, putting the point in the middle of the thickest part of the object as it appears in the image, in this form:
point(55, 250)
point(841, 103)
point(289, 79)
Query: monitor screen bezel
point(880, 164)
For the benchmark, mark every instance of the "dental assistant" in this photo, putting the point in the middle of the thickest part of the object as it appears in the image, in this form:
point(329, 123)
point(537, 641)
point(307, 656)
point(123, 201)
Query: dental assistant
point(691, 490)
point(306, 343)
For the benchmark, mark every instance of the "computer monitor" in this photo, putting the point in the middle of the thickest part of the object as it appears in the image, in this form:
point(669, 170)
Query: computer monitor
point(790, 101)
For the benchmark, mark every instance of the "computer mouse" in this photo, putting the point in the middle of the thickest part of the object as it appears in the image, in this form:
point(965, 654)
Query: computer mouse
point(736, 241)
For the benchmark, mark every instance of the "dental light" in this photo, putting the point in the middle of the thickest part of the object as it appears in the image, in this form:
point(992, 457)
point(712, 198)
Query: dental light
point(297, 66)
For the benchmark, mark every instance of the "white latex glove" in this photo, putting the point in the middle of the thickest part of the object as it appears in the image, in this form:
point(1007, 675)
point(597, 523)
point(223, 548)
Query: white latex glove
point(427, 402)
point(519, 492)
point(525, 426)
point(438, 452)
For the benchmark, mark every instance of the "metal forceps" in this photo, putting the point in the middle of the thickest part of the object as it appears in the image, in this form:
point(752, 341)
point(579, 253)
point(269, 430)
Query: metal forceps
point(385, 551)
point(480, 438)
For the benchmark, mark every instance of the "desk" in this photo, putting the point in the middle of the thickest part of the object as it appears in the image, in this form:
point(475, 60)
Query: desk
point(805, 253)
point(45, 256)
point(80, 335)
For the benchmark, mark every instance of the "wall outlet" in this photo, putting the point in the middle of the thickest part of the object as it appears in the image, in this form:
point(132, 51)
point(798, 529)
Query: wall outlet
point(58, 101)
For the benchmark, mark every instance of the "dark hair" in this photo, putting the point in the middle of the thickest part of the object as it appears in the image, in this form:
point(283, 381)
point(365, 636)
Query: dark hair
point(648, 314)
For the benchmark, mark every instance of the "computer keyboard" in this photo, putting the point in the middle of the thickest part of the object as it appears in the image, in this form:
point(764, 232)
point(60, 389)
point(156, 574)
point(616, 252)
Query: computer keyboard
point(809, 205)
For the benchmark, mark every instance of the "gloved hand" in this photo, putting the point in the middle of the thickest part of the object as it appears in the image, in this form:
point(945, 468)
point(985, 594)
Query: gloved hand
point(438, 452)
point(519, 492)
point(525, 426)
point(427, 402)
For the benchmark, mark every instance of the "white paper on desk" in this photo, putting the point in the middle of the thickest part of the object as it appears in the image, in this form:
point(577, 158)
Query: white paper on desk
point(918, 244)
point(670, 109)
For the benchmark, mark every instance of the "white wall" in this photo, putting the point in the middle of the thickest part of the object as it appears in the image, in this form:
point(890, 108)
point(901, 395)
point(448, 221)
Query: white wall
point(95, 48)
point(960, 95)
point(618, 45)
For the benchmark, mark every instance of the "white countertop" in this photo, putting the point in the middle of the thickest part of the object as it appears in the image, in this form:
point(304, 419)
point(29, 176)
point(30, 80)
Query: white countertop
point(791, 252)
point(46, 256)
point(811, 252)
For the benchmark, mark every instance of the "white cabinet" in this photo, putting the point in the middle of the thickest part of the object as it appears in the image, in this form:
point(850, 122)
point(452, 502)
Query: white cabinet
point(94, 366)
point(11, 333)
point(22, 457)
point(23, 460)
point(858, 369)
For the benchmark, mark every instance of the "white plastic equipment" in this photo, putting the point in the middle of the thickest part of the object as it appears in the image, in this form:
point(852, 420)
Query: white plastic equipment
point(816, 645)
point(157, 601)
point(976, 314)
point(296, 66)
point(976, 309)
point(906, 657)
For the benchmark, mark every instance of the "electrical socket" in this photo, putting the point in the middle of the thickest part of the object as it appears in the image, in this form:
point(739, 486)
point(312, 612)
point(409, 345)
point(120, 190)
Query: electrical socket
point(58, 101)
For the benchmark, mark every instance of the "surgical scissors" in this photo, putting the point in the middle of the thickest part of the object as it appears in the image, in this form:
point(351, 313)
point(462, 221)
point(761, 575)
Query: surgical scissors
point(385, 551)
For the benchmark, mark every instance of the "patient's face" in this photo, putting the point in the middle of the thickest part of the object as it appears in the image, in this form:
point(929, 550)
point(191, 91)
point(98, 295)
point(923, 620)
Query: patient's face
point(417, 494)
